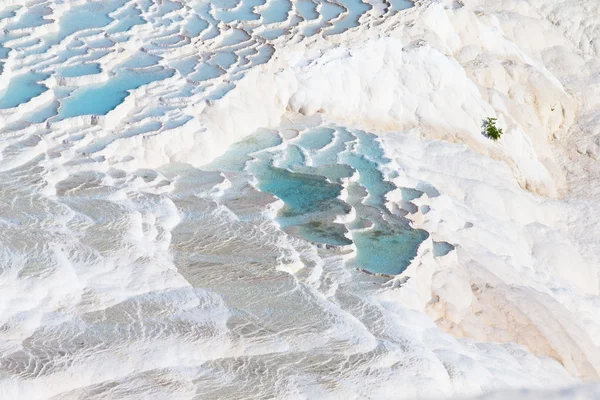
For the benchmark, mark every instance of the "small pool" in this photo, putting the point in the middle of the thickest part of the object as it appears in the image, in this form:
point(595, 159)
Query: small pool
point(21, 89)
point(195, 25)
point(127, 21)
point(238, 154)
point(276, 11)
point(43, 114)
point(4, 52)
point(308, 172)
point(301, 193)
point(102, 98)
point(399, 5)
point(206, 72)
point(32, 18)
point(234, 37)
point(94, 14)
point(355, 8)
point(242, 13)
point(388, 250)
point(80, 70)
point(307, 9)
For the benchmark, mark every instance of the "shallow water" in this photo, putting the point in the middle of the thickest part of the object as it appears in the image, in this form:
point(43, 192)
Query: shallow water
point(243, 13)
point(32, 18)
point(21, 89)
point(276, 11)
point(205, 72)
point(88, 16)
point(399, 5)
point(388, 249)
point(308, 172)
point(307, 9)
point(102, 98)
point(356, 8)
point(127, 20)
point(80, 70)
point(302, 194)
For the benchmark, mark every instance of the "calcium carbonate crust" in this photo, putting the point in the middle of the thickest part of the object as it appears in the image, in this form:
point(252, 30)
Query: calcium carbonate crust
point(513, 304)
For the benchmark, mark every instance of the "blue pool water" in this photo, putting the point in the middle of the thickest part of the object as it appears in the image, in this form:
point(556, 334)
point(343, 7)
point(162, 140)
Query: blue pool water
point(264, 54)
point(21, 89)
point(29, 44)
point(205, 72)
point(185, 65)
point(238, 154)
point(203, 9)
point(399, 5)
point(166, 6)
point(220, 90)
point(224, 59)
point(224, 3)
point(100, 43)
point(440, 249)
point(235, 36)
point(385, 242)
point(102, 98)
point(322, 231)
point(44, 113)
point(4, 52)
point(356, 8)
point(331, 154)
point(370, 178)
point(276, 12)
point(292, 158)
point(333, 172)
point(271, 34)
point(127, 21)
point(301, 193)
point(369, 146)
point(316, 139)
point(330, 11)
point(32, 18)
point(64, 55)
point(311, 202)
point(243, 13)
point(387, 251)
point(80, 70)
point(8, 12)
point(90, 15)
point(195, 25)
point(307, 9)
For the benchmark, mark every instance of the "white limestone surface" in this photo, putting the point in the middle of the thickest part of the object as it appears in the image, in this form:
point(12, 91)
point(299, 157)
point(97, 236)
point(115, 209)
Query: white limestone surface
point(144, 252)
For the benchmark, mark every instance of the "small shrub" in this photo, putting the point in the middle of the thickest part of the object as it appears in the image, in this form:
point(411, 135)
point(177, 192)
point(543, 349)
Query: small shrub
point(490, 129)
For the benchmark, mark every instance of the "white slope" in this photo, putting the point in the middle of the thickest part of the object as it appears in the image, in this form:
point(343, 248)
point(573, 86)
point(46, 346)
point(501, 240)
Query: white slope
point(130, 272)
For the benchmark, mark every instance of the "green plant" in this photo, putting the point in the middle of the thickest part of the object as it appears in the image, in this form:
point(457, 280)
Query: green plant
point(490, 129)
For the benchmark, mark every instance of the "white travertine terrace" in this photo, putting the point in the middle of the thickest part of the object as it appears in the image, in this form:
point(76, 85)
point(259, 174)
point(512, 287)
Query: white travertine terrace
point(133, 265)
